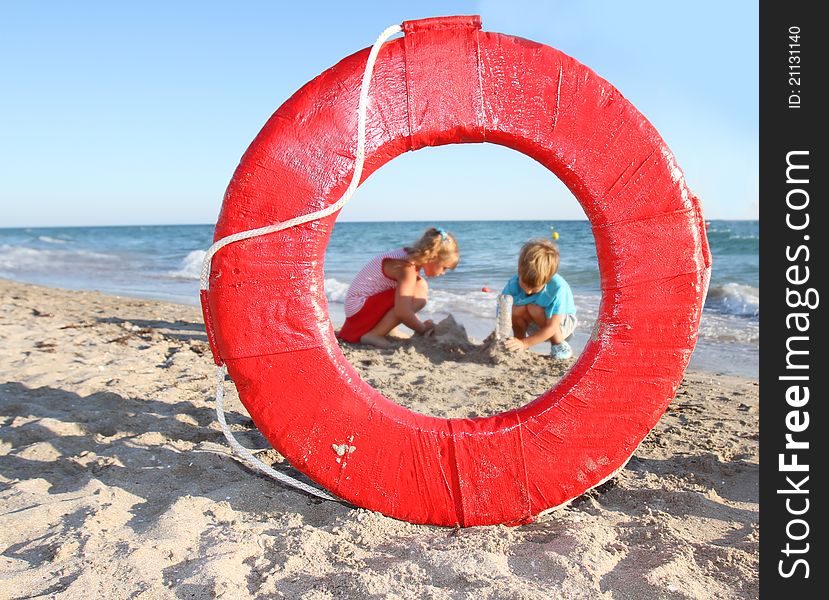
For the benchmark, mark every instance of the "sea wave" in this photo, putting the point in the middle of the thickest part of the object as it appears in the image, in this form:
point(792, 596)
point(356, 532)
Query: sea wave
point(335, 290)
point(21, 259)
point(53, 240)
point(476, 303)
point(734, 299)
point(190, 266)
point(729, 234)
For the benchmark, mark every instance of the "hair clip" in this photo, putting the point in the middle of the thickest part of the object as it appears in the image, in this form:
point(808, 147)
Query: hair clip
point(442, 233)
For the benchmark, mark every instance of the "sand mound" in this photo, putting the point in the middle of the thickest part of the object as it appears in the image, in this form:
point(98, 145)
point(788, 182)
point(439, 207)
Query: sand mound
point(451, 334)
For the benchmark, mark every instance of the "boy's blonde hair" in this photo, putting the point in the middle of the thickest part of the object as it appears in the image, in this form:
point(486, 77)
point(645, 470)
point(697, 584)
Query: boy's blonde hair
point(435, 245)
point(538, 262)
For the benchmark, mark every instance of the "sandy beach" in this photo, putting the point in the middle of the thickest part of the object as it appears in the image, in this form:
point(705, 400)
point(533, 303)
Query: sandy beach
point(116, 482)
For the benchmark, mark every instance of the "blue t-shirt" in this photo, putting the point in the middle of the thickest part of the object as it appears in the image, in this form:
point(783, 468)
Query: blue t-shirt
point(556, 298)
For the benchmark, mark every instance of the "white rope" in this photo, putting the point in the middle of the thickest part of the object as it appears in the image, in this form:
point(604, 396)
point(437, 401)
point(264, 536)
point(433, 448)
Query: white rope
point(204, 282)
point(246, 455)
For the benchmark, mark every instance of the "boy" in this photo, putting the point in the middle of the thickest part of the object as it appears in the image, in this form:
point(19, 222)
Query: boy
point(542, 301)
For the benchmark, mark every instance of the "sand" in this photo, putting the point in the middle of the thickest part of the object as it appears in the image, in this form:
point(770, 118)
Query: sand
point(115, 480)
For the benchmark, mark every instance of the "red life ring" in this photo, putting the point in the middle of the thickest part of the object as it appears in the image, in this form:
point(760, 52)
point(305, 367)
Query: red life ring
point(444, 82)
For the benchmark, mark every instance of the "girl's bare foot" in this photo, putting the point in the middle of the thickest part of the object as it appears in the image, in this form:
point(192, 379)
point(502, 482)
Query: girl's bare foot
point(375, 340)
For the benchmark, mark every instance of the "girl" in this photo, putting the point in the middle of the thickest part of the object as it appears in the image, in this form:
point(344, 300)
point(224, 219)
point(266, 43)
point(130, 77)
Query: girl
point(389, 290)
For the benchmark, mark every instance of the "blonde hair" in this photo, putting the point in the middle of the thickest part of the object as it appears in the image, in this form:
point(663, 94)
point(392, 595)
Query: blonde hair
point(435, 245)
point(538, 262)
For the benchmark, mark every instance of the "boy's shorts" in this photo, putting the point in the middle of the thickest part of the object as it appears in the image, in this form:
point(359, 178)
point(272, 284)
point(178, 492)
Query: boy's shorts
point(568, 326)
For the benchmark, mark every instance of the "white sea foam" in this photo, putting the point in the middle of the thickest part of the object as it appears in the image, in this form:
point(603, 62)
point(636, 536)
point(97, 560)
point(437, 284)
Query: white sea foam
point(335, 290)
point(721, 328)
point(53, 240)
point(21, 259)
point(476, 303)
point(734, 299)
point(190, 267)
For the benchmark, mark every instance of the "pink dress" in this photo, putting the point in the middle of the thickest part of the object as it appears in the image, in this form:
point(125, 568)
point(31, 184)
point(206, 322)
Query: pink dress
point(370, 296)
point(371, 280)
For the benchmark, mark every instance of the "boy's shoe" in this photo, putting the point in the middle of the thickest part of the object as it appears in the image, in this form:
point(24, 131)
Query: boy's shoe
point(561, 351)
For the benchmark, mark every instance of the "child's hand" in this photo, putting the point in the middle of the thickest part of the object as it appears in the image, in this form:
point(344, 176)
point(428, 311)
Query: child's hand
point(515, 345)
point(428, 328)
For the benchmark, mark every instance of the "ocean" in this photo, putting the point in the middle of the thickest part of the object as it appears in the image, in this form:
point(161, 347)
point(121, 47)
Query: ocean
point(164, 262)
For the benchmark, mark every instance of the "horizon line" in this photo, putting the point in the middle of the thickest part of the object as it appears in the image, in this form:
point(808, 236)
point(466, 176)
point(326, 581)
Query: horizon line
point(343, 221)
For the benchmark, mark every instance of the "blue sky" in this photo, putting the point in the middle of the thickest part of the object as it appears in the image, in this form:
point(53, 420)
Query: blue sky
point(137, 113)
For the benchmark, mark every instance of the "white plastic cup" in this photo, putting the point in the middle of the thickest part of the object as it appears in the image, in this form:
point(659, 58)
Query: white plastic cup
point(503, 323)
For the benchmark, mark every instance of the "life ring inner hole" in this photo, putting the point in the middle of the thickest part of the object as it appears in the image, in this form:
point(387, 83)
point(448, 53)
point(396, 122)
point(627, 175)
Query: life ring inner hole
point(513, 187)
